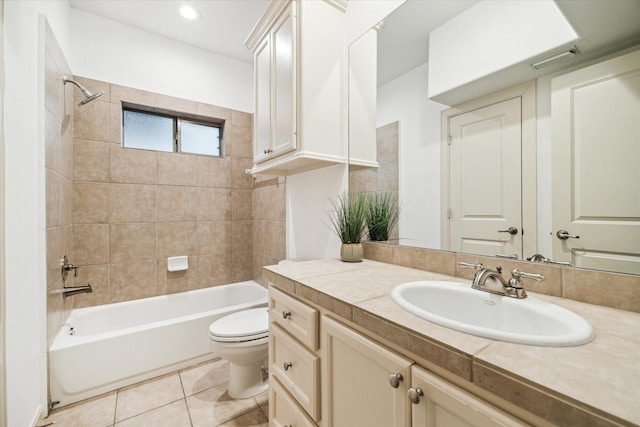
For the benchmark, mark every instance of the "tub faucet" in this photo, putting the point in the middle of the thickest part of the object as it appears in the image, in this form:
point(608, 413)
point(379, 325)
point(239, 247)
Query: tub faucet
point(73, 290)
point(488, 280)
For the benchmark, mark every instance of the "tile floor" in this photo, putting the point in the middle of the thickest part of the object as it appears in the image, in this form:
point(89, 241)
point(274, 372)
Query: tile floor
point(192, 397)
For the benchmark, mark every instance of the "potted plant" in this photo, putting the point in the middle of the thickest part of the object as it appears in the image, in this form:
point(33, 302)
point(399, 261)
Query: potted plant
point(382, 213)
point(348, 221)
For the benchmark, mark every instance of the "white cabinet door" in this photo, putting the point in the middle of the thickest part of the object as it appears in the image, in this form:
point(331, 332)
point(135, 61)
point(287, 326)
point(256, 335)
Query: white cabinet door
point(284, 83)
point(442, 404)
point(356, 388)
point(485, 180)
point(596, 178)
point(262, 119)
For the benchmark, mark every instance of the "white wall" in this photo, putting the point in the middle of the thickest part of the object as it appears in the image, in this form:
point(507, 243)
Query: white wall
point(106, 50)
point(405, 100)
point(309, 197)
point(24, 204)
point(362, 15)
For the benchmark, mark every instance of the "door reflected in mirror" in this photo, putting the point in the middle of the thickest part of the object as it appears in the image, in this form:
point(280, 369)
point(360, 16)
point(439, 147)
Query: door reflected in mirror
point(597, 170)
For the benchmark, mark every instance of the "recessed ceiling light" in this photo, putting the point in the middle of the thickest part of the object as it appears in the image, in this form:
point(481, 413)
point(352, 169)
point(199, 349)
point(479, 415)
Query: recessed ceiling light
point(189, 12)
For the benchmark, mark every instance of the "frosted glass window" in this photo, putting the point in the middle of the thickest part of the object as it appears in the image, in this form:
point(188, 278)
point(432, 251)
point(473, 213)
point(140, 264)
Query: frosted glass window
point(199, 138)
point(148, 131)
point(149, 128)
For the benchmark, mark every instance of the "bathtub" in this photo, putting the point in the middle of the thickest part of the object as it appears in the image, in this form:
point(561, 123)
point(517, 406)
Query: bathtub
point(103, 348)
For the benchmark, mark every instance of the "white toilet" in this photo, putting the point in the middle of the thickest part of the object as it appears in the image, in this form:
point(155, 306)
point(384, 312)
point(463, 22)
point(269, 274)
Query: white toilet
point(242, 339)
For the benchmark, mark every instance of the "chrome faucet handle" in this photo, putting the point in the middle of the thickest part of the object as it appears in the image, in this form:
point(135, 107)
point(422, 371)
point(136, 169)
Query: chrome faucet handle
point(517, 273)
point(477, 266)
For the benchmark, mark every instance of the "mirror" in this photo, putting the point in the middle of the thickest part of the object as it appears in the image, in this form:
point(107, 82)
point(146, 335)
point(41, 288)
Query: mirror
point(407, 147)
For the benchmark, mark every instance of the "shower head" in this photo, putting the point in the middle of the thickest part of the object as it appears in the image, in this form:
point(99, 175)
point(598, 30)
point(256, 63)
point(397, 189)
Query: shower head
point(88, 96)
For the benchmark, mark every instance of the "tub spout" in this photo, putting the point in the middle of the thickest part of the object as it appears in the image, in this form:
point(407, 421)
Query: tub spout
point(73, 290)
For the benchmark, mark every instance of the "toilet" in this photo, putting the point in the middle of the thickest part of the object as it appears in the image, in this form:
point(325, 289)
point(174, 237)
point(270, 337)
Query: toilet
point(242, 338)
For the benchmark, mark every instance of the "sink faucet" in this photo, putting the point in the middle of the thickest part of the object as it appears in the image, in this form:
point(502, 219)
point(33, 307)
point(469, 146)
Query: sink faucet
point(492, 281)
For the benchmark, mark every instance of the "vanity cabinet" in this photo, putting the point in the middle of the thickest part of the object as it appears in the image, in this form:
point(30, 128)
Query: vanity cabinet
point(364, 384)
point(324, 373)
point(439, 403)
point(294, 365)
point(298, 49)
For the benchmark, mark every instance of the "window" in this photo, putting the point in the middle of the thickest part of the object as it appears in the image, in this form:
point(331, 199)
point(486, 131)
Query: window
point(160, 130)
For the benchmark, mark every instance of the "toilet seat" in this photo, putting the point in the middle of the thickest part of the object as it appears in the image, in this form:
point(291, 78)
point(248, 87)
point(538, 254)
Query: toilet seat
point(241, 326)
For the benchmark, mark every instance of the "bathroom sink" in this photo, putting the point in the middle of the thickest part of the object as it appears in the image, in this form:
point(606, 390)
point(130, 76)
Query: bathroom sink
point(524, 321)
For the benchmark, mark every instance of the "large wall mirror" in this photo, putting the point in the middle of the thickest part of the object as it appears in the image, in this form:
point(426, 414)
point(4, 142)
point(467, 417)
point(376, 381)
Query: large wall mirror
point(397, 145)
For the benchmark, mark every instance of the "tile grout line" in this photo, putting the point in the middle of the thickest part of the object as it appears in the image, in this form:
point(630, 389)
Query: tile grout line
point(184, 397)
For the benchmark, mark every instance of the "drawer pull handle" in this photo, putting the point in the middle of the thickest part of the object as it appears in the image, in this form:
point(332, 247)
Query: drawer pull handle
point(287, 365)
point(414, 394)
point(394, 379)
point(286, 314)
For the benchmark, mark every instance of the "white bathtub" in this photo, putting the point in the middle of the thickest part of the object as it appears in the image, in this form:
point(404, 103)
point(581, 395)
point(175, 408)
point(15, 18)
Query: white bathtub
point(106, 347)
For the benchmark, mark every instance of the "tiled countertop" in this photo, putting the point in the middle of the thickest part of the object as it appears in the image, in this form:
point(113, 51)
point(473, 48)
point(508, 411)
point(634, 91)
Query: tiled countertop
point(594, 384)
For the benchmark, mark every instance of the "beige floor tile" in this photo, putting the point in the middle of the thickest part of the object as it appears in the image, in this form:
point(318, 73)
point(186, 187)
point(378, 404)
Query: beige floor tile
point(255, 418)
point(148, 395)
point(263, 402)
point(214, 406)
point(96, 412)
point(204, 376)
point(174, 414)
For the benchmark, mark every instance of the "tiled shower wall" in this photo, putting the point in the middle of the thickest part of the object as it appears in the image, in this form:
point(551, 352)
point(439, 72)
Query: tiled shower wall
point(134, 208)
point(269, 223)
point(58, 110)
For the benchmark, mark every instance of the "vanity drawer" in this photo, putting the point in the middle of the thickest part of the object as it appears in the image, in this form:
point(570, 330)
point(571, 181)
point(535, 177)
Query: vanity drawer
point(283, 409)
point(295, 317)
point(297, 368)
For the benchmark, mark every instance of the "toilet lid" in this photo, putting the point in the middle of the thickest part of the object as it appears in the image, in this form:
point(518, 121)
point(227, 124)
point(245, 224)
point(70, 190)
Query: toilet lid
point(243, 325)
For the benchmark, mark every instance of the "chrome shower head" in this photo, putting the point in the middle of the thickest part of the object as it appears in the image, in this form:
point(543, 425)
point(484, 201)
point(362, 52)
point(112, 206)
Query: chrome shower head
point(88, 96)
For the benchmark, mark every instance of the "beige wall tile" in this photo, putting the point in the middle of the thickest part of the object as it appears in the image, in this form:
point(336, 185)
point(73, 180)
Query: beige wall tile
point(423, 259)
point(132, 281)
point(53, 142)
point(177, 169)
point(55, 252)
point(132, 166)
point(90, 161)
point(53, 200)
point(53, 99)
point(242, 236)
point(92, 121)
point(115, 123)
point(170, 282)
point(177, 203)
point(242, 145)
point(615, 290)
point(213, 111)
point(90, 244)
point(179, 105)
point(98, 276)
point(242, 119)
point(382, 252)
point(214, 237)
point(90, 203)
point(242, 266)
point(135, 96)
point(176, 239)
point(214, 270)
point(55, 314)
point(132, 203)
point(213, 172)
point(241, 204)
point(66, 201)
point(132, 242)
point(66, 147)
point(240, 179)
point(214, 204)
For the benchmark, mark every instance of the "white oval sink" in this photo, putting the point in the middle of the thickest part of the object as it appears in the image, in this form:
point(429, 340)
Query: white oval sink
point(524, 321)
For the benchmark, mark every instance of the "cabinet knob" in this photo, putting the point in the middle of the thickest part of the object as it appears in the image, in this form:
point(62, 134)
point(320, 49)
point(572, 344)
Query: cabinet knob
point(287, 365)
point(394, 379)
point(267, 151)
point(286, 314)
point(414, 394)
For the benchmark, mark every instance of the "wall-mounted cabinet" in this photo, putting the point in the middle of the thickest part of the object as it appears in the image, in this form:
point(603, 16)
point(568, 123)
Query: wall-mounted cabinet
point(298, 51)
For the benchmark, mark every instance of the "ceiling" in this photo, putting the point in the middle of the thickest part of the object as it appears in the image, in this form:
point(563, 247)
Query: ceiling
point(224, 26)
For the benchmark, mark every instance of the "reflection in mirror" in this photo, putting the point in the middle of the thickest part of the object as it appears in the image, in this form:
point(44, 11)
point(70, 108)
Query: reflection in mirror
point(402, 104)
